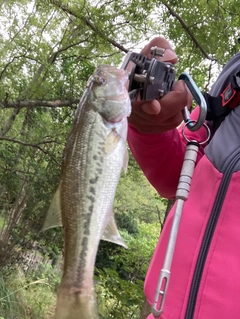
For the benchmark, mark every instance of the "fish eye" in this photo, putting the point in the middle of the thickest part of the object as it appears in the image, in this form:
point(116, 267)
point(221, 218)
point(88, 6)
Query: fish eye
point(100, 80)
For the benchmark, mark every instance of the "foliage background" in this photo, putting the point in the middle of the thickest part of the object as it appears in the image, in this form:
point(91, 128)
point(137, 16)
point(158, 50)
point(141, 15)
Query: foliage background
point(48, 50)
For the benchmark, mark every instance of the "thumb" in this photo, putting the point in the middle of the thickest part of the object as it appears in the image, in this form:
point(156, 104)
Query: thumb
point(173, 102)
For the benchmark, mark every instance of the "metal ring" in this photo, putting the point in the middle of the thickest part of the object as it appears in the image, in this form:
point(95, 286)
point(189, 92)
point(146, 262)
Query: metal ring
point(206, 127)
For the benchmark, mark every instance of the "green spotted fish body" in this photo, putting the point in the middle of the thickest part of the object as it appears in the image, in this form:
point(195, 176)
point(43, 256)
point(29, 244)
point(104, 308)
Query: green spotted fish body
point(94, 155)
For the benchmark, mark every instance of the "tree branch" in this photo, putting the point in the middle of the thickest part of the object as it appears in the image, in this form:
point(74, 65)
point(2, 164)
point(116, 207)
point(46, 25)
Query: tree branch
point(10, 62)
point(91, 25)
point(37, 145)
point(35, 103)
point(8, 139)
point(189, 32)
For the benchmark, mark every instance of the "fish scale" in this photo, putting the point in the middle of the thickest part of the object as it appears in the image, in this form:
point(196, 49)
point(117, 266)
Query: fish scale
point(93, 158)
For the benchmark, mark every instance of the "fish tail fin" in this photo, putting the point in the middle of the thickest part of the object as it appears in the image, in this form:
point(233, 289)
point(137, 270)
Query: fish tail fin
point(75, 306)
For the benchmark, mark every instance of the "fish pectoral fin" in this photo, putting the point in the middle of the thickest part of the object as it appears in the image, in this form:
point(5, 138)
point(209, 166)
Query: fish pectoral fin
point(125, 160)
point(53, 218)
point(111, 141)
point(111, 233)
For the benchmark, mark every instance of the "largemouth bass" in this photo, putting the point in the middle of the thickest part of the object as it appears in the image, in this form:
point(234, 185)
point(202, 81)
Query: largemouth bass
point(94, 155)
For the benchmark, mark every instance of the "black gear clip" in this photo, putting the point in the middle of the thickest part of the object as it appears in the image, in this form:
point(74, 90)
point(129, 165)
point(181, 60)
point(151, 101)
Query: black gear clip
point(150, 78)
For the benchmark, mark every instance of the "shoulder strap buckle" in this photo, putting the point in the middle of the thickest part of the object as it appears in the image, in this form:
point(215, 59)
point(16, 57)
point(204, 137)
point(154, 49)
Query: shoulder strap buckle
point(231, 95)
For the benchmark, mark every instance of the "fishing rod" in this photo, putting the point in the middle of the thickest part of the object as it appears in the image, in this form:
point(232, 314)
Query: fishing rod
point(151, 79)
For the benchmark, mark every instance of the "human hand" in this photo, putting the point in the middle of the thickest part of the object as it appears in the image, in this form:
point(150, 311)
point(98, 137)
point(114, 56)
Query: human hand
point(163, 115)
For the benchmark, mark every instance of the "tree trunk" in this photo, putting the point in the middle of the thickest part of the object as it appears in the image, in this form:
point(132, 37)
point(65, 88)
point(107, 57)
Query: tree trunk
point(146, 309)
point(170, 204)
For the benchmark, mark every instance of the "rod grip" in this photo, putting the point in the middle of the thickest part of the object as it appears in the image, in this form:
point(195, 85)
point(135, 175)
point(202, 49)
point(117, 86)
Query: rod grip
point(187, 171)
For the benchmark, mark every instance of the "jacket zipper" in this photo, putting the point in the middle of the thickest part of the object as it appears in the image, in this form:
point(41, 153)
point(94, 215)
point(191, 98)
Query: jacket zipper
point(207, 238)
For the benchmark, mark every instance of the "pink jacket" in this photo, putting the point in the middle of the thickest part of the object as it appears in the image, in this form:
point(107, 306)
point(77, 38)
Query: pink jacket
point(205, 273)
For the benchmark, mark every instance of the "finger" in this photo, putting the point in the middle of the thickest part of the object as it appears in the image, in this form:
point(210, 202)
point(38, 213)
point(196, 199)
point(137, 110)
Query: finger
point(143, 126)
point(175, 101)
point(151, 107)
point(171, 104)
point(169, 54)
point(139, 118)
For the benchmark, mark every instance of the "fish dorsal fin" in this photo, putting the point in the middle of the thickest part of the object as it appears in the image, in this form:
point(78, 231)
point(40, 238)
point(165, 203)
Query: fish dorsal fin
point(111, 233)
point(53, 218)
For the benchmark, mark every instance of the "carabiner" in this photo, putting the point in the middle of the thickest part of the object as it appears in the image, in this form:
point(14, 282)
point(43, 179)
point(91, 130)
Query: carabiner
point(198, 97)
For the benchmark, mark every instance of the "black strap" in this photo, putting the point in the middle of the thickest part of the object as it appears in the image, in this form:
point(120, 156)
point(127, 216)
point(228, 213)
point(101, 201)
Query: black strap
point(220, 106)
point(215, 109)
